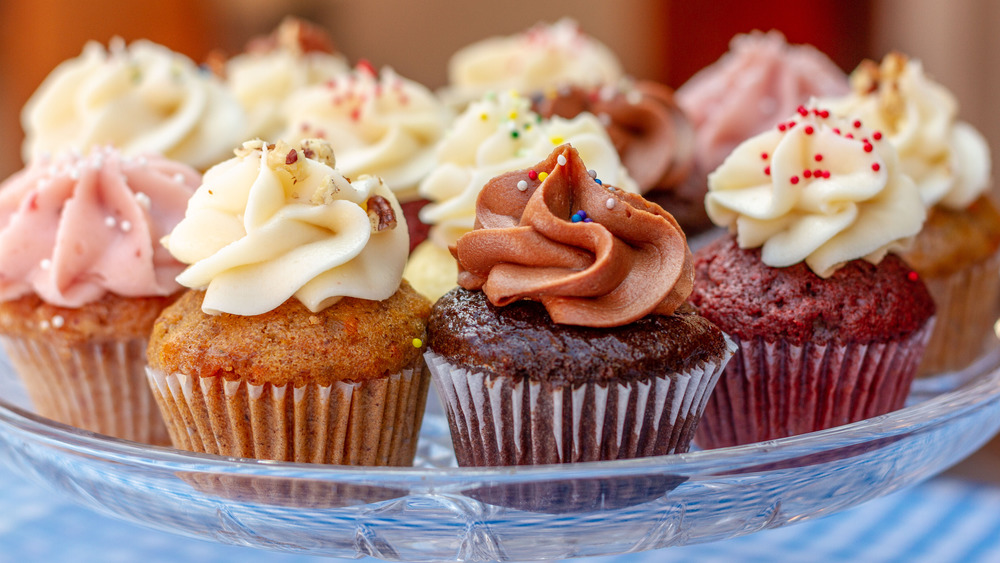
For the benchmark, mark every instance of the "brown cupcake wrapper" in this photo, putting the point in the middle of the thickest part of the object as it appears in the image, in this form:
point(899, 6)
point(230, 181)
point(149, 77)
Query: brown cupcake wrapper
point(775, 389)
point(98, 386)
point(968, 305)
point(504, 422)
point(373, 422)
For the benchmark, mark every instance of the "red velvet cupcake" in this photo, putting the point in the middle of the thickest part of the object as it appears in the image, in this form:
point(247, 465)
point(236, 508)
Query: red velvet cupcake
point(831, 328)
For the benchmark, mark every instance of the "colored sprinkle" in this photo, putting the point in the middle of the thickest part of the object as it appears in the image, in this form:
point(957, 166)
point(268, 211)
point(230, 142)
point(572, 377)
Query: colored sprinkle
point(580, 215)
point(818, 158)
point(45, 264)
point(802, 111)
point(556, 140)
point(514, 134)
point(126, 226)
point(58, 321)
point(366, 66)
point(143, 200)
point(561, 160)
point(610, 204)
point(836, 130)
point(857, 123)
point(484, 116)
point(543, 175)
point(763, 156)
point(110, 221)
point(588, 220)
point(876, 167)
point(912, 276)
point(826, 173)
point(532, 174)
point(592, 173)
point(807, 173)
point(522, 186)
point(819, 174)
point(809, 130)
point(767, 170)
point(417, 343)
point(877, 135)
point(824, 114)
point(599, 182)
point(513, 115)
point(849, 136)
point(869, 148)
point(794, 180)
point(782, 127)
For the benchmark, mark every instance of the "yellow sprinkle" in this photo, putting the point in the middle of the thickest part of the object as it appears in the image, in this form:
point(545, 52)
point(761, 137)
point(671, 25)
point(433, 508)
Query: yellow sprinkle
point(513, 115)
point(543, 175)
point(484, 116)
point(557, 140)
point(417, 343)
point(514, 94)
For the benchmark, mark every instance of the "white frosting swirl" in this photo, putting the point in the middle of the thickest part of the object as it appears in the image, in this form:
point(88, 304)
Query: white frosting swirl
point(269, 224)
point(545, 56)
point(818, 189)
point(383, 125)
point(143, 98)
point(949, 160)
point(498, 134)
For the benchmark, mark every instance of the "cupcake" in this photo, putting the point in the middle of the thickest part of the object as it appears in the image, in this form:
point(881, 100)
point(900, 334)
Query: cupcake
point(82, 278)
point(141, 98)
point(378, 123)
point(760, 81)
point(298, 340)
point(956, 253)
point(652, 135)
point(569, 338)
point(295, 56)
point(545, 56)
point(830, 326)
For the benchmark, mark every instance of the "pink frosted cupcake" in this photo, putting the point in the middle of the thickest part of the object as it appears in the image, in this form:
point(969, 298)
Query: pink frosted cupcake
point(84, 277)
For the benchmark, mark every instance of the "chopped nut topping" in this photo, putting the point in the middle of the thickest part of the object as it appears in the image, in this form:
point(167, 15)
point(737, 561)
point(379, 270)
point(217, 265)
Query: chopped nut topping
point(380, 213)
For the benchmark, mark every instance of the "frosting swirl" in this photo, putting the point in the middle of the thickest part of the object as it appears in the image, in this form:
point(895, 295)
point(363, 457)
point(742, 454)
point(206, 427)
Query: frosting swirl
point(277, 221)
point(948, 159)
point(295, 56)
point(498, 134)
point(592, 255)
point(651, 134)
point(543, 56)
point(378, 124)
point(141, 99)
point(76, 227)
point(758, 82)
point(816, 188)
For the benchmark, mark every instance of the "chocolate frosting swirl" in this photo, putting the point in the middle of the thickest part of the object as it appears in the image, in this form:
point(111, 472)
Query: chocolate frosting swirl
point(652, 135)
point(632, 260)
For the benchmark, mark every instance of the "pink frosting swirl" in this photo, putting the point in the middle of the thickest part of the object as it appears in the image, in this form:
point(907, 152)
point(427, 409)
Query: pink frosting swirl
point(76, 227)
point(760, 81)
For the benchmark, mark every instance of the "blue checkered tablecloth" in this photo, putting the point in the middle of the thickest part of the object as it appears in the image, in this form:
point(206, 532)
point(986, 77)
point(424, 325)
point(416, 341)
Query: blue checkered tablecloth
point(943, 520)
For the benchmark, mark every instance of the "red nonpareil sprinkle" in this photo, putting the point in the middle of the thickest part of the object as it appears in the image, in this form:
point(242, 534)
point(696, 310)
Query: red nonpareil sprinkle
point(763, 156)
point(767, 170)
point(849, 136)
point(794, 180)
point(809, 130)
point(33, 202)
point(819, 173)
point(802, 111)
point(532, 174)
point(857, 123)
point(292, 156)
point(912, 276)
point(869, 148)
point(366, 66)
point(818, 158)
point(807, 173)
point(791, 124)
point(824, 114)
point(876, 167)
point(877, 135)
point(836, 130)
point(356, 114)
point(782, 127)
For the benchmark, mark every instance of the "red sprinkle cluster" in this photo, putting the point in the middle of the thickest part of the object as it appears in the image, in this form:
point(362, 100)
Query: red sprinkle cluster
point(809, 130)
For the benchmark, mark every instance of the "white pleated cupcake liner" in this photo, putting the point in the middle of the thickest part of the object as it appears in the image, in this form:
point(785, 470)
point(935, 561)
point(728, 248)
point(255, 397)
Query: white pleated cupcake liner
point(98, 386)
point(373, 422)
point(773, 389)
point(968, 306)
point(500, 421)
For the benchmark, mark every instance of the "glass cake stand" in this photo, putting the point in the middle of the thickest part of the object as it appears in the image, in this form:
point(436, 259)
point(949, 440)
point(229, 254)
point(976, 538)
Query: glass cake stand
point(436, 511)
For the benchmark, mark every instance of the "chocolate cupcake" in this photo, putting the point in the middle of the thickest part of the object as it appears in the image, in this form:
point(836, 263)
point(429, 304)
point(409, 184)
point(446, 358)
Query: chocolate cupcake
point(569, 339)
point(831, 328)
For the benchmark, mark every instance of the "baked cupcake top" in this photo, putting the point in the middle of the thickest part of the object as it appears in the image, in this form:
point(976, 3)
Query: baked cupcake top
point(74, 227)
point(544, 56)
point(816, 188)
point(948, 159)
point(758, 82)
point(141, 98)
point(497, 134)
point(295, 56)
point(652, 135)
point(591, 254)
point(278, 221)
point(378, 123)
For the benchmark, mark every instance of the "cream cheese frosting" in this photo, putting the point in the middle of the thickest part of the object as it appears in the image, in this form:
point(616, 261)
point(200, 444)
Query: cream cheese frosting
point(294, 57)
point(816, 188)
point(948, 159)
point(544, 56)
point(378, 123)
point(278, 221)
point(141, 98)
point(497, 134)
point(75, 227)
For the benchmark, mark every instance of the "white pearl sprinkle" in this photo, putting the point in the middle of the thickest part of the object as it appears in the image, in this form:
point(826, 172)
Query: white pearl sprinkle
point(143, 200)
point(44, 325)
point(179, 178)
point(592, 172)
point(610, 204)
point(45, 264)
point(126, 226)
point(561, 160)
point(58, 321)
point(522, 185)
point(110, 221)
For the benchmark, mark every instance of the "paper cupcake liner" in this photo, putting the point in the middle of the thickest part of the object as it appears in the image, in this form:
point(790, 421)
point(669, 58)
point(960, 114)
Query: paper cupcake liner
point(775, 389)
point(373, 422)
point(504, 422)
point(98, 386)
point(968, 305)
